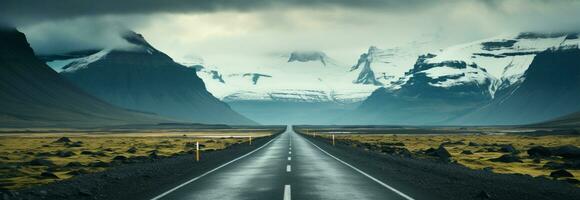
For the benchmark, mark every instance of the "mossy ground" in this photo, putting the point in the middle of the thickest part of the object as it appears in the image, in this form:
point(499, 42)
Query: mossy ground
point(480, 158)
point(17, 150)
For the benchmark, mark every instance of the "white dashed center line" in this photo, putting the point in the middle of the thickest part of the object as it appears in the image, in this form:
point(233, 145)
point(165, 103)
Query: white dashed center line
point(288, 168)
point(287, 192)
point(289, 158)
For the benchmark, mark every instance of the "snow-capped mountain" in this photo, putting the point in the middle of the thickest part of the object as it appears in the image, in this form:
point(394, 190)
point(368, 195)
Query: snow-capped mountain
point(140, 77)
point(304, 85)
point(386, 67)
point(309, 76)
point(459, 80)
point(491, 64)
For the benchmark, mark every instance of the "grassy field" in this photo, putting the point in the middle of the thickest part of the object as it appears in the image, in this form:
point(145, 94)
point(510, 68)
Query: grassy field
point(476, 151)
point(40, 158)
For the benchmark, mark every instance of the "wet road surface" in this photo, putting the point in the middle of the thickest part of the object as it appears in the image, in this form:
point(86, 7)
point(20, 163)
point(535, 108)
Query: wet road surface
point(288, 167)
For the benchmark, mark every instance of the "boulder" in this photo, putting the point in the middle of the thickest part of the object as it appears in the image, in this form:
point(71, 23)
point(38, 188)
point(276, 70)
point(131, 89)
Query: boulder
point(453, 143)
point(466, 152)
point(473, 144)
point(41, 162)
point(567, 152)
point(48, 175)
point(132, 150)
point(440, 153)
point(87, 153)
point(560, 174)
point(120, 158)
point(99, 164)
point(572, 164)
point(553, 165)
point(63, 140)
point(508, 149)
point(507, 158)
point(74, 164)
point(539, 151)
point(78, 172)
point(75, 144)
point(65, 154)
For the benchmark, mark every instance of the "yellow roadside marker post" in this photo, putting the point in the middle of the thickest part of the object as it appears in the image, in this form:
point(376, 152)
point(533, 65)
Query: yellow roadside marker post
point(332, 139)
point(197, 151)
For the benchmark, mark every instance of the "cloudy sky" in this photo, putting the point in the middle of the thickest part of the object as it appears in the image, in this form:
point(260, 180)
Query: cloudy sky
point(234, 31)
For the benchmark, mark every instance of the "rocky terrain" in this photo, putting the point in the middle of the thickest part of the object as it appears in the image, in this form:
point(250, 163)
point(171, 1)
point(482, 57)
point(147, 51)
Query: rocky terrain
point(438, 164)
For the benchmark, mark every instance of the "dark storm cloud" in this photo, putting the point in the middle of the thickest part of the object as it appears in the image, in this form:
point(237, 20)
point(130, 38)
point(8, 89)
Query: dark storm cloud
point(33, 11)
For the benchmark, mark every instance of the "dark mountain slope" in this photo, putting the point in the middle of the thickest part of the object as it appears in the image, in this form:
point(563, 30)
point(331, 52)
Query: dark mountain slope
point(32, 95)
point(551, 89)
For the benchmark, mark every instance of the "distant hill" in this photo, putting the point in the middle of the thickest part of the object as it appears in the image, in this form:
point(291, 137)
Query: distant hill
point(33, 95)
point(571, 120)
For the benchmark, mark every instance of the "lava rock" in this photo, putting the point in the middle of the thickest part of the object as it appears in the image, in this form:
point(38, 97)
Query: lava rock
point(506, 159)
point(440, 152)
point(567, 152)
point(508, 149)
point(392, 144)
point(75, 144)
point(553, 165)
point(453, 143)
point(153, 155)
point(539, 151)
point(43, 154)
point(120, 158)
point(466, 152)
point(63, 140)
point(74, 164)
point(473, 144)
point(99, 164)
point(132, 150)
point(48, 175)
point(560, 173)
point(78, 172)
point(41, 162)
point(65, 154)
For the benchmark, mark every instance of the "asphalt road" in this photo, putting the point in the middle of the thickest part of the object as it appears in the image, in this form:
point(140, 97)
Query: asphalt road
point(288, 167)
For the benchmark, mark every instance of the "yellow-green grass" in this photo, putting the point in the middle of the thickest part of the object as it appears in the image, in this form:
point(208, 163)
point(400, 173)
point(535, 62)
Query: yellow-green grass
point(480, 158)
point(19, 149)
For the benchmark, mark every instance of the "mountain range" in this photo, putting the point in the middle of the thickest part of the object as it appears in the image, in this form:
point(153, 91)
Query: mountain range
point(509, 79)
point(526, 78)
point(462, 84)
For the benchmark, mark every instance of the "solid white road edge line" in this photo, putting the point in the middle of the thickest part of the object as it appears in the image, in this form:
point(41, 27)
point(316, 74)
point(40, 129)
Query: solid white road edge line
point(210, 171)
point(287, 191)
point(363, 173)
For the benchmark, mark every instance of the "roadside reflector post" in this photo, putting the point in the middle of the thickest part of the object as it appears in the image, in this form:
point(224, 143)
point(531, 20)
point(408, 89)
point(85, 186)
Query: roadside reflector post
point(250, 140)
point(332, 139)
point(196, 151)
